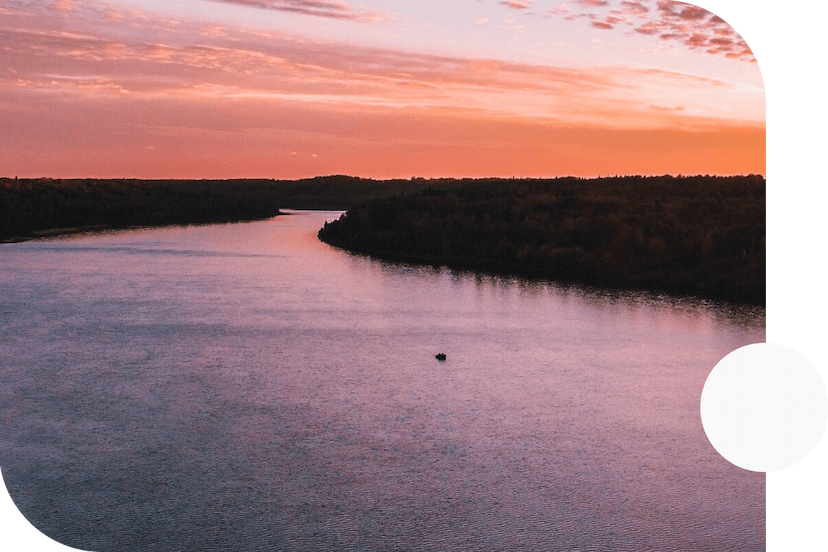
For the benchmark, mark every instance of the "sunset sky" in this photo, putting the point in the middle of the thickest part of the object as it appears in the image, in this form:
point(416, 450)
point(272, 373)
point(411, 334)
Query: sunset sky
point(374, 88)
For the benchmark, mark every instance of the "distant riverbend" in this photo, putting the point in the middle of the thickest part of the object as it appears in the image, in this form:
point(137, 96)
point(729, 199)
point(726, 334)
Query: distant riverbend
point(701, 235)
point(37, 207)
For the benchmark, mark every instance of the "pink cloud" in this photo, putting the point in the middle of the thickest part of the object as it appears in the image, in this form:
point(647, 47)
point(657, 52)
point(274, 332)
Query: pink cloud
point(699, 30)
point(667, 108)
point(635, 8)
point(649, 28)
point(693, 13)
point(561, 8)
point(517, 4)
point(334, 9)
point(62, 5)
point(694, 27)
point(687, 24)
point(697, 39)
point(214, 63)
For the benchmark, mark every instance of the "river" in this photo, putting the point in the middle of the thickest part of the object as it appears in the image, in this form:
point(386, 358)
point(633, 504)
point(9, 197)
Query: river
point(247, 387)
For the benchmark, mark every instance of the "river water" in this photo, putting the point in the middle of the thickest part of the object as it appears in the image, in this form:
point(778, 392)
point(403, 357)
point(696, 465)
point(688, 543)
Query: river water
point(247, 387)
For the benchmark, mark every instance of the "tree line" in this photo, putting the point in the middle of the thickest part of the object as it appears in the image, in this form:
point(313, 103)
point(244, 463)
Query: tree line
point(30, 207)
point(696, 234)
point(693, 234)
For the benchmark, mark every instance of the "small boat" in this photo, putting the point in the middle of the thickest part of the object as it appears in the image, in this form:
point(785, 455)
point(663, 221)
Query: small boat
point(440, 356)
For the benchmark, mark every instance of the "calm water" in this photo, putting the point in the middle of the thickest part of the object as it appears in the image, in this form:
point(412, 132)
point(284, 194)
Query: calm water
point(246, 387)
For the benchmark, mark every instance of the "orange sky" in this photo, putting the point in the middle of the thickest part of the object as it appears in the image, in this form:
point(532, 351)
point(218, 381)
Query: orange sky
point(295, 88)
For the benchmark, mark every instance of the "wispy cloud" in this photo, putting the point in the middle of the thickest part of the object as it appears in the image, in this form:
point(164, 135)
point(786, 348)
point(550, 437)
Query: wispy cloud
point(667, 107)
point(517, 4)
point(560, 8)
point(62, 5)
point(334, 9)
point(87, 84)
point(213, 62)
point(609, 21)
point(634, 7)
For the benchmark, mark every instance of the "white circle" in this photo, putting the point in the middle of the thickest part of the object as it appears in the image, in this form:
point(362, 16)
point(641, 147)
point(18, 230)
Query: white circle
point(764, 407)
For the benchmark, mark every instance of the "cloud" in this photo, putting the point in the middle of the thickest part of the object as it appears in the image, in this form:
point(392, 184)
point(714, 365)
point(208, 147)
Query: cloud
point(649, 28)
point(601, 25)
point(635, 8)
point(609, 21)
point(215, 63)
point(62, 5)
point(560, 8)
point(698, 29)
point(666, 107)
point(693, 13)
point(517, 4)
point(694, 27)
point(334, 9)
point(213, 30)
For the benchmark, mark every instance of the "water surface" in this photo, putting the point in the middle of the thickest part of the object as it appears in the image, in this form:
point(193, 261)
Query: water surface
point(247, 387)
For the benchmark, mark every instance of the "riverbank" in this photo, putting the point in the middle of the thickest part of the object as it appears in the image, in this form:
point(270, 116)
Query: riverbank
point(701, 235)
point(54, 232)
point(31, 208)
point(698, 235)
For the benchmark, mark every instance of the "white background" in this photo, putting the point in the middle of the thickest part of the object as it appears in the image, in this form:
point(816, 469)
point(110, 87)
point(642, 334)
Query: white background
point(788, 41)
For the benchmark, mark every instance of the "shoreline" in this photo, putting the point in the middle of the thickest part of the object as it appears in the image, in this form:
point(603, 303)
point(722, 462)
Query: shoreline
point(697, 236)
point(54, 232)
point(58, 232)
point(37, 207)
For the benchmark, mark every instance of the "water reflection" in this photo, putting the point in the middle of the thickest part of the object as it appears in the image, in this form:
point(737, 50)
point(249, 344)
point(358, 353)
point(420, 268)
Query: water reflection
point(738, 315)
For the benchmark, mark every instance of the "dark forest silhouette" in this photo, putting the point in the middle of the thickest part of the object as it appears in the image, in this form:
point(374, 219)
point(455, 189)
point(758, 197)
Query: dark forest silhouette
point(699, 235)
point(32, 207)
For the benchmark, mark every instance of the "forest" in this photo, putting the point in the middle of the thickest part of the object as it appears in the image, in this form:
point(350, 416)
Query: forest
point(43, 206)
point(699, 235)
point(702, 235)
